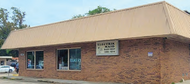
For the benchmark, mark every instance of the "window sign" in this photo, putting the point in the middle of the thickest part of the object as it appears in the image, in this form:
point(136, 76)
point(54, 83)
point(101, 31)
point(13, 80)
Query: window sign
point(75, 57)
point(107, 48)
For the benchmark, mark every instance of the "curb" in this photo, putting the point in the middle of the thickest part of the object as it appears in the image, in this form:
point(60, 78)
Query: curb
point(15, 74)
point(11, 78)
point(47, 81)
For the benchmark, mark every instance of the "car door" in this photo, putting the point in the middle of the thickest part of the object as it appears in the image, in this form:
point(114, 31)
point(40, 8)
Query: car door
point(0, 69)
point(6, 68)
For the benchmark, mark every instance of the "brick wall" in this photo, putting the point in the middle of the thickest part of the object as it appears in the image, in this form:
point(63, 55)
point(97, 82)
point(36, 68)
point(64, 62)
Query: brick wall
point(175, 61)
point(131, 66)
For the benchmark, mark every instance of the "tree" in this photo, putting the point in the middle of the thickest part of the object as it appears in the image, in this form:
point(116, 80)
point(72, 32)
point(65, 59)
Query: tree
point(18, 18)
point(187, 12)
point(7, 24)
point(98, 10)
point(78, 16)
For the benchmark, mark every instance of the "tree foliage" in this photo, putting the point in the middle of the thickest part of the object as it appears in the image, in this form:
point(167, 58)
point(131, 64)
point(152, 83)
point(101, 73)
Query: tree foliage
point(187, 12)
point(98, 10)
point(9, 23)
point(18, 18)
point(78, 16)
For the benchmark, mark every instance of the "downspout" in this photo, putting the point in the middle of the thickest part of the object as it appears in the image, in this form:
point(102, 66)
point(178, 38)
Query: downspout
point(162, 51)
point(164, 43)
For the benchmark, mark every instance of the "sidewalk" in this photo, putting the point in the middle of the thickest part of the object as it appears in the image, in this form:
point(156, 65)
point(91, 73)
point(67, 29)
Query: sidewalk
point(185, 82)
point(56, 81)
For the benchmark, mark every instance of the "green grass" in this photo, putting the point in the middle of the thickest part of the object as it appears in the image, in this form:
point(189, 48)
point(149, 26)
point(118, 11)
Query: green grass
point(173, 83)
point(181, 81)
point(3, 77)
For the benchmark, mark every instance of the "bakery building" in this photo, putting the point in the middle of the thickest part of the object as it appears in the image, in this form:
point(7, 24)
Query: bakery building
point(144, 44)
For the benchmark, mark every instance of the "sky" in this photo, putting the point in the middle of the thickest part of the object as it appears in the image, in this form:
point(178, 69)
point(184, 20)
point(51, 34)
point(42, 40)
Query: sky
point(41, 12)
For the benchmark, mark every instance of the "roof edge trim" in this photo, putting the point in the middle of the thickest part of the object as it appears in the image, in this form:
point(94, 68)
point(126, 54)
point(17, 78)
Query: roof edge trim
point(142, 37)
point(176, 8)
point(169, 20)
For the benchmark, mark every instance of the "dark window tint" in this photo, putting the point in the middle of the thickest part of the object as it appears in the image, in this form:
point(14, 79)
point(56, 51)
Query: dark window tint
point(62, 59)
point(30, 60)
point(75, 59)
point(39, 59)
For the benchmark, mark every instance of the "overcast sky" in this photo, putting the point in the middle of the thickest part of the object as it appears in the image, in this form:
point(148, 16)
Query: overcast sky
point(40, 12)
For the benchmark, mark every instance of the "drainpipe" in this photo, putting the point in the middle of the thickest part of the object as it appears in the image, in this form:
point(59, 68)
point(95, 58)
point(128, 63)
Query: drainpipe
point(164, 43)
point(163, 46)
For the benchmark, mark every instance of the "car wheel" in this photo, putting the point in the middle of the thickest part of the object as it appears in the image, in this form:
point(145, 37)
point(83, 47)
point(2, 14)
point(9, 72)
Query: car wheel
point(10, 70)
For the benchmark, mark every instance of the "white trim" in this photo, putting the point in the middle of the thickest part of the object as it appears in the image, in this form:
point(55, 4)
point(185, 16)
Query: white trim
point(5, 57)
point(67, 70)
point(68, 48)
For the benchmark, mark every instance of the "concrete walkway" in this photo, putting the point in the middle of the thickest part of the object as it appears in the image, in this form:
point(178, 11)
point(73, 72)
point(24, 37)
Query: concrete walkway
point(56, 81)
point(6, 81)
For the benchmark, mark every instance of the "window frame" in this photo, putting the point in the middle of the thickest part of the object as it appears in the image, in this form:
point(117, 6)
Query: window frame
point(34, 59)
point(67, 57)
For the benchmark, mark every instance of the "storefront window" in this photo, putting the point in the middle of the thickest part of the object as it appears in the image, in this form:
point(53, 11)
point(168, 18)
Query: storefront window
point(74, 61)
point(30, 60)
point(39, 59)
point(63, 59)
point(35, 60)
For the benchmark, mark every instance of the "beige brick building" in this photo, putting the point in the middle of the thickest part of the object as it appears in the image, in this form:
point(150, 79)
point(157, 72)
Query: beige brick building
point(145, 44)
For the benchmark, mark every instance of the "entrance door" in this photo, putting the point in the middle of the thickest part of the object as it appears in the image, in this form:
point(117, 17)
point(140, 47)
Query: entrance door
point(2, 62)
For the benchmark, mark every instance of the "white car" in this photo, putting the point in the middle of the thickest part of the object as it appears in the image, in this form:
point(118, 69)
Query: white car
point(6, 68)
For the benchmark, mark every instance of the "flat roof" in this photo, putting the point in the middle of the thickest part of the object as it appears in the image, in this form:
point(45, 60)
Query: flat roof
point(153, 20)
point(5, 57)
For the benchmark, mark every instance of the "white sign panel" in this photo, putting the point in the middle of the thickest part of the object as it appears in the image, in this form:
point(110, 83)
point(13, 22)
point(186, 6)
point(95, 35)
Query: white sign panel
point(107, 48)
point(22, 54)
point(150, 54)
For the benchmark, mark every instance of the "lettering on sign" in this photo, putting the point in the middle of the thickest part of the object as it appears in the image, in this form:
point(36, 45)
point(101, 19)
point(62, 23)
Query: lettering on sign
point(107, 48)
point(22, 54)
